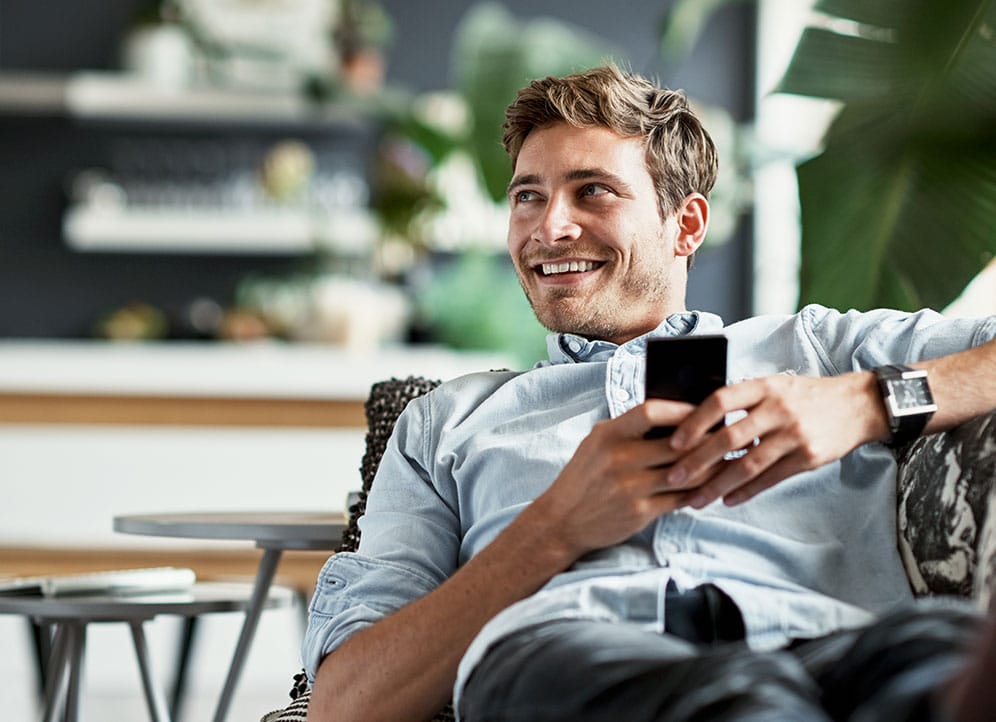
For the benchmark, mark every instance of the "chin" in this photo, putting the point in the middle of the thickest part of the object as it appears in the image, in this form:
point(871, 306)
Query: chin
point(590, 328)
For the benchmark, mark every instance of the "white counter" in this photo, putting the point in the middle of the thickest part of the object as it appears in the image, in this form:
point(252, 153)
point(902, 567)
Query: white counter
point(255, 370)
point(63, 478)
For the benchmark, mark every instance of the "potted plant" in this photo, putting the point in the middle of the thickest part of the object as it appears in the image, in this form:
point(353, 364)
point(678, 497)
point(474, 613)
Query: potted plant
point(899, 206)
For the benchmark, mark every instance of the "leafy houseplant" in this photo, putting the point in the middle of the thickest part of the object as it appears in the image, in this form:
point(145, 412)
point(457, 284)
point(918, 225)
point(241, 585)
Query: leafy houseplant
point(899, 209)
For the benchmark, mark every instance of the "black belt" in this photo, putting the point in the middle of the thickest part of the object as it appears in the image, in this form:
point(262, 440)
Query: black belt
point(702, 615)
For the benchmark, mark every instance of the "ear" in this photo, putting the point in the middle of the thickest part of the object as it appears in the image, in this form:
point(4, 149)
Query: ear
point(693, 221)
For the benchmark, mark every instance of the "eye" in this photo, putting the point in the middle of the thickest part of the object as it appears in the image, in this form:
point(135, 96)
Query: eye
point(594, 189)
point(523, 196)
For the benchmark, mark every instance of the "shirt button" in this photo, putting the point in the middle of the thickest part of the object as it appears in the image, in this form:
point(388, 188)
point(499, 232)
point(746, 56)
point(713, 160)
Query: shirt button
point(669, 547)
point(574, 346)
point(621, 394)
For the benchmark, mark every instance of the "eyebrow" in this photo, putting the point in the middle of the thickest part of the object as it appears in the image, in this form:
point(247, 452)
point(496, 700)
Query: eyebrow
point(522, 180)
point(578, 174)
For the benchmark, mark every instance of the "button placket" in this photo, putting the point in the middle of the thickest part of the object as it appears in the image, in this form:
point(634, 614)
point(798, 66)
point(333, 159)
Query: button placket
point(669, 533)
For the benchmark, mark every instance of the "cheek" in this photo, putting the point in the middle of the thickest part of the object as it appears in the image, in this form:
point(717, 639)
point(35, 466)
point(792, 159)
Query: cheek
point(514, 251)
point(514, 247)
point(516, 240)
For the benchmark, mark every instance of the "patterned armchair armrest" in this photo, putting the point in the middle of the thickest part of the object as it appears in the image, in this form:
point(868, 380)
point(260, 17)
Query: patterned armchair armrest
point(947, 534)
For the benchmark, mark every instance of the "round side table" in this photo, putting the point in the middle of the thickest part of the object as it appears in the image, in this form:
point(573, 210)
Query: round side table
point(273, 532)
point(70, 616)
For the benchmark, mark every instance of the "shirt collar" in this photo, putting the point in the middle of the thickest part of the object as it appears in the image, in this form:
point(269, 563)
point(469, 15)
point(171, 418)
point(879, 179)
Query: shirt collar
point(571, 348)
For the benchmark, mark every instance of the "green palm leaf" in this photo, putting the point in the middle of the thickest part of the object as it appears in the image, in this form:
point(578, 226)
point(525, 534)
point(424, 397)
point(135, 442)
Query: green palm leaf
point(899, 209)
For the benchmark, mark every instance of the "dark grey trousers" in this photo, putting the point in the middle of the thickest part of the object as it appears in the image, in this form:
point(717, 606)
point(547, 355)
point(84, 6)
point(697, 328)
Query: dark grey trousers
point(588, 671)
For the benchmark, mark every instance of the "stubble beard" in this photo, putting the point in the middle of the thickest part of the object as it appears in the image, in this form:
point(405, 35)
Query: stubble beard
point(602, 315)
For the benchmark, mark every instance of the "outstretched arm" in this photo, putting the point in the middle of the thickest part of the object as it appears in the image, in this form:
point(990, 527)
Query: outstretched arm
point(801, 423)
point(404, 666)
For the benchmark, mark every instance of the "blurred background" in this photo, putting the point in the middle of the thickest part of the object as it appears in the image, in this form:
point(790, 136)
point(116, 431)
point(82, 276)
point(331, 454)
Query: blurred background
point(217, 169)
point(210, 202)
point(230, 170)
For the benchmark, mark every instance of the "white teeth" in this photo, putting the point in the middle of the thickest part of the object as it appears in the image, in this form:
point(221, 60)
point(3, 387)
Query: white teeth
point(550, 269)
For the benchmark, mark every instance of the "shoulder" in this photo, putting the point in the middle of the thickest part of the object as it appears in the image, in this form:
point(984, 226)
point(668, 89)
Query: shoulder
point(837, 341)
point(901, 326)
point(817, 319)
point(463, 394)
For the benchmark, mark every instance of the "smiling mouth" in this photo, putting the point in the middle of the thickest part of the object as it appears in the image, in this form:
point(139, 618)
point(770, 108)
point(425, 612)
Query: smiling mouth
point(554, 269)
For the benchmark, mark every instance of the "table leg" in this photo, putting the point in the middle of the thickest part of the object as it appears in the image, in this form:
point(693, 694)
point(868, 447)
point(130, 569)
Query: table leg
point(55, 675)
point(153, 695)
point(178, 693)
point(77, 649)
point(41, 637)
point(264, 578)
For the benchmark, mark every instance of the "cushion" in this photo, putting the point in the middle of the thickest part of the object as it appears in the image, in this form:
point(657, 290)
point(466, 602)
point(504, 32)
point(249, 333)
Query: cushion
point(296, 711)
point(946, 486)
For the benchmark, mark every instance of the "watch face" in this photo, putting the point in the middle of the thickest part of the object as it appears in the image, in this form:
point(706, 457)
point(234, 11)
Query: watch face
point(910, 395)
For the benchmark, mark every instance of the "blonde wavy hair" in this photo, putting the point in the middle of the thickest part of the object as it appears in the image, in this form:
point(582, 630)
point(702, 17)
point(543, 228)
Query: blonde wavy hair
point(680, 155)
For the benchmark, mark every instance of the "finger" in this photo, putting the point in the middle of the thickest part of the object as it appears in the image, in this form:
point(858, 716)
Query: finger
point(713, 410)
point(669, 501)
point(604, 454)
point(637, 421)
point(694, 467)
point(654, 454)
point(785, 468)
point(755, 464)
point(643, 494)
point(662, 412)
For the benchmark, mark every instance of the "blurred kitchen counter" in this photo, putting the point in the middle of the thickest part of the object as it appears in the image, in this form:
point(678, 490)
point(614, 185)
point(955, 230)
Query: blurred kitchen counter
point(270, 384)
point(298, 570)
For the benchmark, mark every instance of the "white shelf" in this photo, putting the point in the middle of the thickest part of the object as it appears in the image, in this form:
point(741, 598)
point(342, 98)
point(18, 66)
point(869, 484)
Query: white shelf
point(123, 97)
point(120, 97)
point(156, 231)
point(193, 231)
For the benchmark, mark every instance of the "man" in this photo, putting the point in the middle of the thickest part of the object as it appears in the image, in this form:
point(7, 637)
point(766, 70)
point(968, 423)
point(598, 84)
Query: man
point(528, 548)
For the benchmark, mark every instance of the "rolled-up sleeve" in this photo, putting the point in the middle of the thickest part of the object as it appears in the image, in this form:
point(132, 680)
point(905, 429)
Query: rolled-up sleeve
point(352, 593)
point(410, 541)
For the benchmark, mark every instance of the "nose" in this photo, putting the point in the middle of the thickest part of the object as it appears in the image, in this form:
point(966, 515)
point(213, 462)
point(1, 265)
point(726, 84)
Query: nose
point(557, 223)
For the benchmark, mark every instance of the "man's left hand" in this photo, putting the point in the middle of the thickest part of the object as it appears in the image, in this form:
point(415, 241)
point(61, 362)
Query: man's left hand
point(792, 424)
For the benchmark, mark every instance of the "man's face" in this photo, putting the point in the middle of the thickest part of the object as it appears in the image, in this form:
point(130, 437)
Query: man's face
point(591, 250)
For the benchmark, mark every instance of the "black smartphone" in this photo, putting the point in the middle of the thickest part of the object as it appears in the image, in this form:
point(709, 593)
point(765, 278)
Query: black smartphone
point(684, 368)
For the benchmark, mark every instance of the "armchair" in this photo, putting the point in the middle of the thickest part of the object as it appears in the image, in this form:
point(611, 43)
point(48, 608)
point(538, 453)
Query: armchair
point(947, 533)
point(385, 403)
point(946, 487)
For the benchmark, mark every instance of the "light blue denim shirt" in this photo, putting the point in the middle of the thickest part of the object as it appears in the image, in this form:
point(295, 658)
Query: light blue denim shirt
point(816, 553)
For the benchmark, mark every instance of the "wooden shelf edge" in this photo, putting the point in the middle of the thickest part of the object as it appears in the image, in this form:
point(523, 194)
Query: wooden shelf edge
point(297, 570)
point(18, 408)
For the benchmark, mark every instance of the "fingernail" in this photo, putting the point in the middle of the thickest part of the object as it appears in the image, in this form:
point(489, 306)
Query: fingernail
point(677, 476)
point(698, 502)
point(677, 440)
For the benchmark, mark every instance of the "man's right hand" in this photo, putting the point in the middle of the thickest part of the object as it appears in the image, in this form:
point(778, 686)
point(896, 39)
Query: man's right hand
point(615, 483)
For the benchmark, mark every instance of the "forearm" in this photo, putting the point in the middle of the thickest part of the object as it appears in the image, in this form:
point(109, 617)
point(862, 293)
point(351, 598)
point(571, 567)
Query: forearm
point(404, 666)
point(963, 385)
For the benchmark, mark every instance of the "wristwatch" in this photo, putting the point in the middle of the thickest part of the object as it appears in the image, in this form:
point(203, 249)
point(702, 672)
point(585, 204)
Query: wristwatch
point(908, 401)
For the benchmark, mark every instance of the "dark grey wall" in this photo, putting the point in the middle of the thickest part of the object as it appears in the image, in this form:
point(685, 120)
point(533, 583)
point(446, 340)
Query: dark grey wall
point(47, 290)
point(719, 71)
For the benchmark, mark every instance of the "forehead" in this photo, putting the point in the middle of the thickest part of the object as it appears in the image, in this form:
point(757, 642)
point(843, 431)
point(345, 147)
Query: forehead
point(557, 149)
